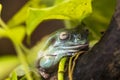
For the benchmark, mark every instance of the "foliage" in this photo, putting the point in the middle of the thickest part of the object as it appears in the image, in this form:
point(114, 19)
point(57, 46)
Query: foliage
point(7, 64)
point(71, 11)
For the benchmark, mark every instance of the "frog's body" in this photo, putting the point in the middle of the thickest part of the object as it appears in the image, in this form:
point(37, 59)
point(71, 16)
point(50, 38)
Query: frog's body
point(63, 43)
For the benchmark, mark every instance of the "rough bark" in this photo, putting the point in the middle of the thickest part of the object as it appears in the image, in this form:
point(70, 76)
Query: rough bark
point(102, 62)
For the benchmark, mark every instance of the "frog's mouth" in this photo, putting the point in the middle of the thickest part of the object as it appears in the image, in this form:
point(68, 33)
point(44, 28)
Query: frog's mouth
point(75, 48)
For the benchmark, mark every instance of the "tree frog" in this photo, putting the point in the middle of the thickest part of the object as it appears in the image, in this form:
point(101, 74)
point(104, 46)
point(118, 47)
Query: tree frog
point(64, 42)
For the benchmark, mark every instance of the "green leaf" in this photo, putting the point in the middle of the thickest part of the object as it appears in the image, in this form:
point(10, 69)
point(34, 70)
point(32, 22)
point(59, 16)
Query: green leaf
point(58, 1)
point(16, 34)
point(21, 15)
point(100, 18)
point(8, 63)
point(2, 33)
point(48, 3)
point(19, 74)
point(69, 10)
point(14, 76)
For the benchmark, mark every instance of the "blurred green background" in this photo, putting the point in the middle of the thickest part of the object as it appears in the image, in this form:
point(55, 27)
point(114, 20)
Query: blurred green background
point(10, 7)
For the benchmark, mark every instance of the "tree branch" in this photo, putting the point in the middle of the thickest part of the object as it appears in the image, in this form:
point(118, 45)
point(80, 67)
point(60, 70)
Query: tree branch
point(102, 62)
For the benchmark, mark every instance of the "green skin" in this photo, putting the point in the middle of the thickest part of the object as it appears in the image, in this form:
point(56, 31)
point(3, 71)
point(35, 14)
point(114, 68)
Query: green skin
point(62, 43)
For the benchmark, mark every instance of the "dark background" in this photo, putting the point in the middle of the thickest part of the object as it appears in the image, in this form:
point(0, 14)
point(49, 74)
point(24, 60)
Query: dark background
point(10, 7)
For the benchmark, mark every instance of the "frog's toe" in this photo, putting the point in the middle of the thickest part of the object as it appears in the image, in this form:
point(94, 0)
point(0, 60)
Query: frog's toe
point(43, 73)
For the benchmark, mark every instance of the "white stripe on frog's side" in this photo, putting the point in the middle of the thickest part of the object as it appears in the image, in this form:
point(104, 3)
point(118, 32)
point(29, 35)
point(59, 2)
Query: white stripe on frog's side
point(74, 47)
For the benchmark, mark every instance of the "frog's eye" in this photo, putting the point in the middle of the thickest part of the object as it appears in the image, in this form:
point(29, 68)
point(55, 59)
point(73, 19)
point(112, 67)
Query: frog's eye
point(63, 35)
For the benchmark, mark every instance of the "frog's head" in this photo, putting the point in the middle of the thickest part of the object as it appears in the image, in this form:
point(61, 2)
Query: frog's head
point(69, 40)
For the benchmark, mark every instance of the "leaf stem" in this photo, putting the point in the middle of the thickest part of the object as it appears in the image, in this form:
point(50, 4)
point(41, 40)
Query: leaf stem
point(2, 23)
point(61, 68)
point(23, 60)
point(69, 24)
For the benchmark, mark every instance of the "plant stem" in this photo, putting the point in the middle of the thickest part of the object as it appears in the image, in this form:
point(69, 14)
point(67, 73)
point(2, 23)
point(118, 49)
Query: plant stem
point(3, 24)
point(69, 24)
point(61, 68)
point(23, 60)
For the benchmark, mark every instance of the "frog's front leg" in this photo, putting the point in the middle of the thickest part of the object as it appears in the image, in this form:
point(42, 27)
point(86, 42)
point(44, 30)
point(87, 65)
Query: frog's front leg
point(47, 64)
point(43, 73)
